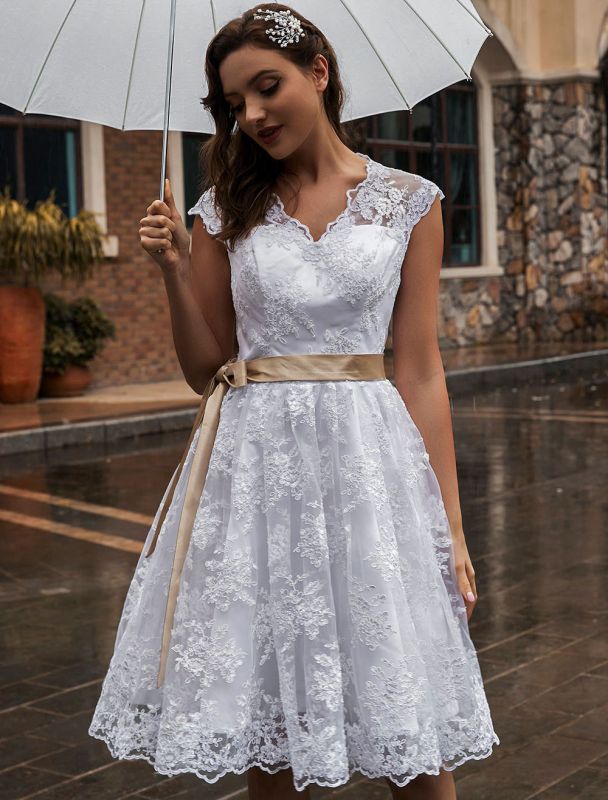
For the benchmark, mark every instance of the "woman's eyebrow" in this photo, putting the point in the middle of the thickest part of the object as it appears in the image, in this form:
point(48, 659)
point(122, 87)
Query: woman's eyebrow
point(252, 80)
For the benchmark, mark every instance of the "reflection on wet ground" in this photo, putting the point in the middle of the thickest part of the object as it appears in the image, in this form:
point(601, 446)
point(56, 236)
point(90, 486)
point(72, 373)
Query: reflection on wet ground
point(532, 474)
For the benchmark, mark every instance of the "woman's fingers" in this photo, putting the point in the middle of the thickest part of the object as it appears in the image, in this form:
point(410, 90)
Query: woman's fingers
point(159, 207)
point(472, 582)
point(470, 594)
point(169, 196)
point(158, 221)
point(153, 242)
point(466, 574)
point(167, 206)
point(152, 233)
point(163, 233)
point(469, 586)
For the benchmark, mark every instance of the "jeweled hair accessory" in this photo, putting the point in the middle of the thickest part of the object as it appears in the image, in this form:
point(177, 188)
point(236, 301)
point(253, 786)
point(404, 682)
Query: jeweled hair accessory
point(287, 30)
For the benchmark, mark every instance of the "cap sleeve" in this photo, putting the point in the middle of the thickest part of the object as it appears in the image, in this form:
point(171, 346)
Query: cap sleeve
point(205, 208)
point(406, 198)
point(421, 197)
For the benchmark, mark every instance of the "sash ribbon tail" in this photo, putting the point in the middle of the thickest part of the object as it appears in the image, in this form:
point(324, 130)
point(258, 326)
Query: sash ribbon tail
point(207, 419)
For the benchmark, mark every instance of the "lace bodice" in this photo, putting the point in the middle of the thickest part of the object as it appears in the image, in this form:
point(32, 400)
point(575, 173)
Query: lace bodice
point(293, 294)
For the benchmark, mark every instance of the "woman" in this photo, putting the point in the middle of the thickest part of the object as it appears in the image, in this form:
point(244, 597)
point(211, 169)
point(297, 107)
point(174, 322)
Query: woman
point(305, 615)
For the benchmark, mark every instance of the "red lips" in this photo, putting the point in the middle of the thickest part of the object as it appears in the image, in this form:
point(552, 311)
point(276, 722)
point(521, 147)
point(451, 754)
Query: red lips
point(265, 132)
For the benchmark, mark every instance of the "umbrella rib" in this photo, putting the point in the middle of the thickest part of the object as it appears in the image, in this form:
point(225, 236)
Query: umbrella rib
point(124, 113)
point(432, 32)
point(213, 16)
point(380, 59)
point(482, 23)
point(50, 50)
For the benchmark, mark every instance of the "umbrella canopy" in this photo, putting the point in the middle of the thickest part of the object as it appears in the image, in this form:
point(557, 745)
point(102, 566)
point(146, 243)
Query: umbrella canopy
point(138, 64)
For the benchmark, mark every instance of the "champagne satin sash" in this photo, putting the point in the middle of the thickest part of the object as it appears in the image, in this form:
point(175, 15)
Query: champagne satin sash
point(236, 373)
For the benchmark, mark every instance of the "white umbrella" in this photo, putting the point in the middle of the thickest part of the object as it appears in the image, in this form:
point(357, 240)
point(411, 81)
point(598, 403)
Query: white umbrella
point(138, 64)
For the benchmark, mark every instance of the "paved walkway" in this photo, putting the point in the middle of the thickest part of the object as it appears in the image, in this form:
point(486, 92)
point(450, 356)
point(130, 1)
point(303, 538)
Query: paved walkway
point(96, 404)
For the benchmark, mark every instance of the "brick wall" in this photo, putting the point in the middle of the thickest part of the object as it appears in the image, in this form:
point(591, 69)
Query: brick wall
point(130, 288)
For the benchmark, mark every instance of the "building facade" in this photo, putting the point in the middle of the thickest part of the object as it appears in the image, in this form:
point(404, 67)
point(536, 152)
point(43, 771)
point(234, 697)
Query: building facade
point(521, 153)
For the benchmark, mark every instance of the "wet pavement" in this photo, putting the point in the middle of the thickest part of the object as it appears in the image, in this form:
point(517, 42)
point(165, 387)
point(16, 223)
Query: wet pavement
point(532, 474)
point(107, 402)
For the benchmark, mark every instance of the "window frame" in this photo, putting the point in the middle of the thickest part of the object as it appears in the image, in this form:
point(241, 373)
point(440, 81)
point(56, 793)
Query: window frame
point(19, 122)
point(435, 147)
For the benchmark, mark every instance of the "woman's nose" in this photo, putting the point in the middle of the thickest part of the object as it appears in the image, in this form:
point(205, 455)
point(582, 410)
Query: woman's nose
point(254, 116)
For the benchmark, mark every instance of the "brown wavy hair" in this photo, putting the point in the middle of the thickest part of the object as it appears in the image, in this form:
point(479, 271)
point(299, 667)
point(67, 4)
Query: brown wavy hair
point(242, 171)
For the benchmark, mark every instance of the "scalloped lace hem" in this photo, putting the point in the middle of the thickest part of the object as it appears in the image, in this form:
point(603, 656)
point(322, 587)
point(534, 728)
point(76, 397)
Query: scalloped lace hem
point(448, 764)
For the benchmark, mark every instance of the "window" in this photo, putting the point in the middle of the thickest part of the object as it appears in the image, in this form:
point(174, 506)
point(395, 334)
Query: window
point(191, 143)
point(438, 140)
point(39, 153)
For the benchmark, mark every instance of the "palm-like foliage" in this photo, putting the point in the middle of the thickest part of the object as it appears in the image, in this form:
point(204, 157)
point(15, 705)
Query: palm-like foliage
point(42, 241)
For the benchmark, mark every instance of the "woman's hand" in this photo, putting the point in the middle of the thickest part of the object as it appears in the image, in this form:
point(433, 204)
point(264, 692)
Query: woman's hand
point(163, 229)
point(464, 571)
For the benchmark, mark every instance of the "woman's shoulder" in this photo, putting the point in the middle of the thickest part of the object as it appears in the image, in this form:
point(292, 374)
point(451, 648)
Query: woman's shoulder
point(401, 198)
point(407, 183)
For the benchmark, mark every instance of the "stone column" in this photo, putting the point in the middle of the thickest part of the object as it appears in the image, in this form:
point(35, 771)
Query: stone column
point(551, 173)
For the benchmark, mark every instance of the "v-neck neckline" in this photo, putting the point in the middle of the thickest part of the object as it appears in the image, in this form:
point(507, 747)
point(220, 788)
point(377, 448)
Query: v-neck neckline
point(349, 196)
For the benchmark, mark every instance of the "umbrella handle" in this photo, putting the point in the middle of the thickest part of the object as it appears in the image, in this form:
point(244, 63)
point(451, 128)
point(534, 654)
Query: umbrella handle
point(163, 168)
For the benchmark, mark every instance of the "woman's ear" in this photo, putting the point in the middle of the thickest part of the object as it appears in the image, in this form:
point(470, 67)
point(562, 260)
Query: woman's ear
point(320, 71)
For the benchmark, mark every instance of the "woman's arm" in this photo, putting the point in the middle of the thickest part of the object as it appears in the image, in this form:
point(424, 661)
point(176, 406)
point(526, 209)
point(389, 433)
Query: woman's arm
point(202, 312)
point(419, 374)
point(198, 289)
point(197, 349)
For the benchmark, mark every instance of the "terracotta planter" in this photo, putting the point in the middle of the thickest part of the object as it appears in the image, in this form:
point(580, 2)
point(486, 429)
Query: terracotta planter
point(72, 383)
point(22, 315)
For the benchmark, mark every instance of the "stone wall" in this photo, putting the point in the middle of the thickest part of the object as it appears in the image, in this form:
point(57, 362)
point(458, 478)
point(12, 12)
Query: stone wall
point(552, 198)
point(470, 311)
point(552, 201)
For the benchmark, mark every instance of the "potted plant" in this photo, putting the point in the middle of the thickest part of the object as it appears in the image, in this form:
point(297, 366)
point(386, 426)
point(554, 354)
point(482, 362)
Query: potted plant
point(34, 244)
point(74, 334)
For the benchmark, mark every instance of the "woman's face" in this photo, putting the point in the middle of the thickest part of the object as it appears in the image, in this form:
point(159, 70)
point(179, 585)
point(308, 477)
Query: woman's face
point(265, 89)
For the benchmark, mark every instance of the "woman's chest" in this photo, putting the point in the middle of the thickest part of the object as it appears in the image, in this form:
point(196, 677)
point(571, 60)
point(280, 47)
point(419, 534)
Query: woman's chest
point(315, 213)
point(281, 264)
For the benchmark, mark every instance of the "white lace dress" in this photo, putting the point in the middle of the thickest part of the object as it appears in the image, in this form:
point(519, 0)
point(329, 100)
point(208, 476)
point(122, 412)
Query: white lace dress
point(319, 624)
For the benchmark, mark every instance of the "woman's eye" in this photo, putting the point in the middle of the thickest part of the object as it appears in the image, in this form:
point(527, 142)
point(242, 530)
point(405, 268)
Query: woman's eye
point(271, 90)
